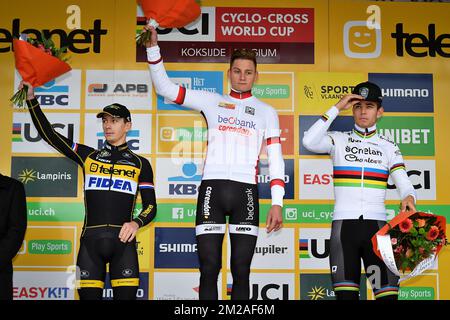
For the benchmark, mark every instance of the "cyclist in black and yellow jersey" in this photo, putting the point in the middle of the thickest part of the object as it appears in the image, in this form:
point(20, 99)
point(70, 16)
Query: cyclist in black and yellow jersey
point(113, 176)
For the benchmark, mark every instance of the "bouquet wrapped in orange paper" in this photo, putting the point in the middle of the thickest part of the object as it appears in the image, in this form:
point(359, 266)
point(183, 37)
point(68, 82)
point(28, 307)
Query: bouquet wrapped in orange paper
point(167, 14)
point(410, 242)
point(37, 61)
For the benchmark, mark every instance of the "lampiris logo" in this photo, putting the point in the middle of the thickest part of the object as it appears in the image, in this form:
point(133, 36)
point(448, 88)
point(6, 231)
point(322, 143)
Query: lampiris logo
point(73, 40)
point(46, 176)
point(420, 45)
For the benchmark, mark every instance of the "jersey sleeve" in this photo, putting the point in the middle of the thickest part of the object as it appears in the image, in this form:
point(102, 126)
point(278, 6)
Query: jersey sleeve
point(275, 158)
point(74, 151)
point(397, 170)
point(317, 139)
point(192, 99)
point(147, 190)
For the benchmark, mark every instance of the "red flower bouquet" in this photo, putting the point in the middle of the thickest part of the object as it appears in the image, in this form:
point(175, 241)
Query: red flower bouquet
point(410, 242)
point(167, 14)
point(37, 61)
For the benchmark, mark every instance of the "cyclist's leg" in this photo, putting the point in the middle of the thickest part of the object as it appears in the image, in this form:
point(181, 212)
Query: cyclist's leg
point(210, 229)
point(92, 268)
point(243, 228)
point(384, 282)
point(124, 270)
point(345, 259)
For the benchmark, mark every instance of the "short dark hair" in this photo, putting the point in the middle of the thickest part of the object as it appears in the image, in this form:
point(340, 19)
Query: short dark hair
point(243, 53)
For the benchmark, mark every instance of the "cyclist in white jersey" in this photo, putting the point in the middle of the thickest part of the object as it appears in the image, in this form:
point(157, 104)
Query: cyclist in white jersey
point(238, 124)
point(362, 160)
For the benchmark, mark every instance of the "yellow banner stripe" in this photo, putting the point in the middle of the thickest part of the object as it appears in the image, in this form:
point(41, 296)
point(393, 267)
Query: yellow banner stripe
point(90, 284)
point(374, 182)
point(125, 282)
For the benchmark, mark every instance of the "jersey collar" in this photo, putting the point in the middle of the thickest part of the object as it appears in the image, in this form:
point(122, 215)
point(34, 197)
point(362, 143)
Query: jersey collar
point(116, 148)
point(240, 95)
point(365, 132)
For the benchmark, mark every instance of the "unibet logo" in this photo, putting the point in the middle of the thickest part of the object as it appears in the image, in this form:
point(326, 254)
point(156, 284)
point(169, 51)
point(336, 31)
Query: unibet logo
point(421, 45)
point(360, 42)
point(72, 40)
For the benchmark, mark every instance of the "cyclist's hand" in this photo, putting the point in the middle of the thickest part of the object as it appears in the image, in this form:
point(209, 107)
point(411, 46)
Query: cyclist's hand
point(30, 89)
point(154, 37)
point(348, 101)
point(407, 204)
point(128, 231)
point(274, 219)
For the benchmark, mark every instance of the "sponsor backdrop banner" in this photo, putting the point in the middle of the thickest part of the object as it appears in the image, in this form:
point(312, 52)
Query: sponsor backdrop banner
point(310, 53)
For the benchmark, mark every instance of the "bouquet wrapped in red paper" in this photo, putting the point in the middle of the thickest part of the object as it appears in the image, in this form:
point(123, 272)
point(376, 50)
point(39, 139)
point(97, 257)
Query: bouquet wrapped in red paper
point(38, 61)
point(410, 242)
point(167, 14)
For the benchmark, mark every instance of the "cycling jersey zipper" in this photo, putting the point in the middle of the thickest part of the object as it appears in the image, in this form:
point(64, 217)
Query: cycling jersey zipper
point(362, 175)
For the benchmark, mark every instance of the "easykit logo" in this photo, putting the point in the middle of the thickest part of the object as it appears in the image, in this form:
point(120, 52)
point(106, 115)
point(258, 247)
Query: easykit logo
point(210, 81)
point(413, 135)
point(78, 41)
point(178, 178)
point(39, 285)
point(139, 138)
point(142, 291)
point(420, 45)
point(60, 93)
point(314, 248)
point(263, 179)
point(176, 248)
point(26, 139)
point(411, 92)
point(46, 176)
point(316, 179)
point(131, 88)
point(320, 287)
point(360, 41)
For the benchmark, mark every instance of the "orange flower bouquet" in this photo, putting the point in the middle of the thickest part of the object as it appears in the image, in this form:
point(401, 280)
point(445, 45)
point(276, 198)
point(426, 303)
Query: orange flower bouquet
point(38, 61)
point(410, 242)
point(167, 14)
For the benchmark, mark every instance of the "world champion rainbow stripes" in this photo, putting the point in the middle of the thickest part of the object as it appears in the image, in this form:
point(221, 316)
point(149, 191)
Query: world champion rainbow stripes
point(351, 177)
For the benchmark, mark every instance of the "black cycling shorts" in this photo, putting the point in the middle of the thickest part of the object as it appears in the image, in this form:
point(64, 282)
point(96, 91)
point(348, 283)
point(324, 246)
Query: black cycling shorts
point(350, 242)
point(220, 198)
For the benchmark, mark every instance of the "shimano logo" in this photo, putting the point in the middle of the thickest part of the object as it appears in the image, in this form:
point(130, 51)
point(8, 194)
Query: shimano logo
point(177, 247)
point(206, 206)
point(250, 204)
point(408, 93)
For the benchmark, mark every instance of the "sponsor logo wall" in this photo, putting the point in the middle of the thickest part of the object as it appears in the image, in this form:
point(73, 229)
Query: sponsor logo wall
point(304, 69)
